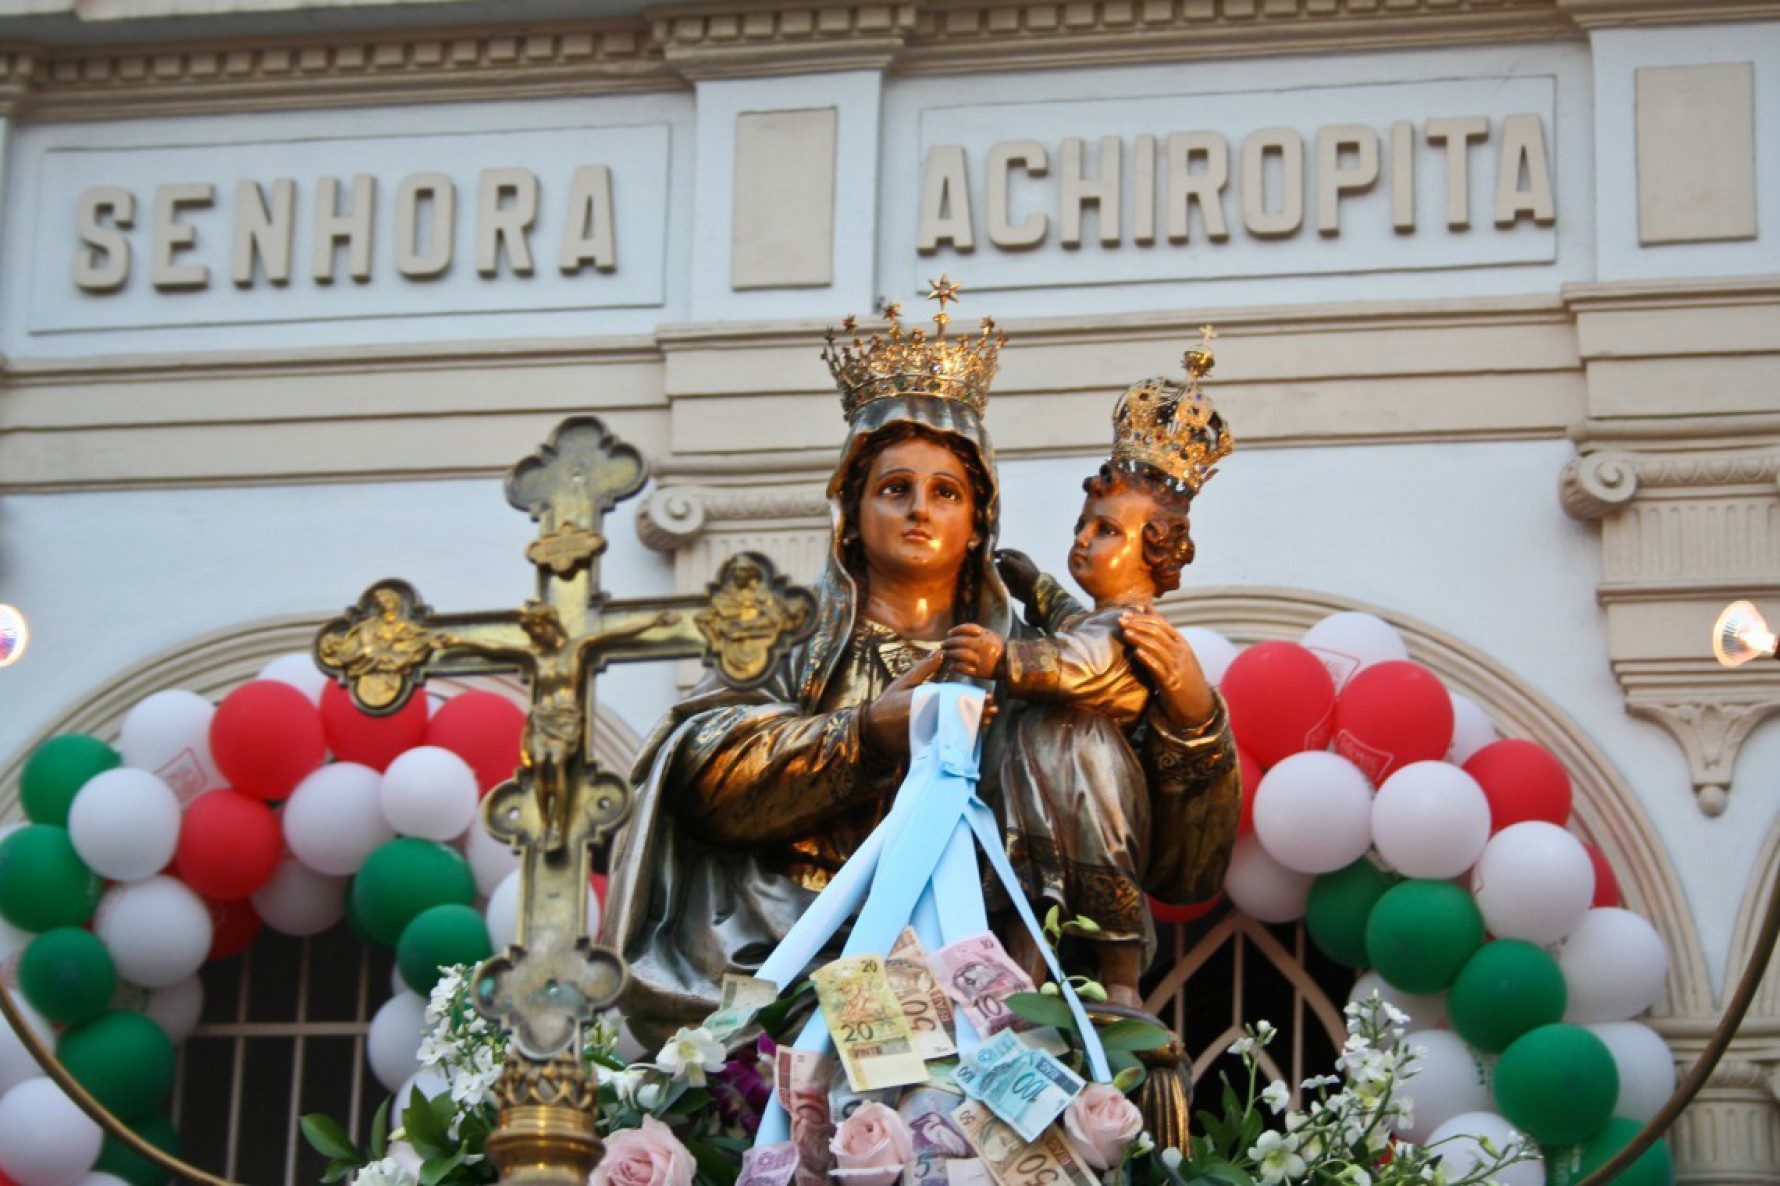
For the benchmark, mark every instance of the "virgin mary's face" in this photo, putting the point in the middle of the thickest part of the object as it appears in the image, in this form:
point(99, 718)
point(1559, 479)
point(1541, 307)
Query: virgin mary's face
point(917, 513)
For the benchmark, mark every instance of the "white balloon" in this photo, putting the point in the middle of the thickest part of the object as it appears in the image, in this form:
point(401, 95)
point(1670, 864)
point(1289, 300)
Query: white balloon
point(430, 1080)
point(1425, 1012)
point(1313, 812)
point(1213, 651)
point(392, 1044)
point(98, 1178)
point(168, 735)
point(1646, 1067)
point(178, 1008)
point(1349, 642)
point(429, 792)
point(299, 671)
point(124, 823)
point(158, 931)
point(490, 860)
point(1461, 1152)
point(502, 912)
point(1534, 882)
point(1471, 729)
point(334, 819)
point(45, 1139)
point(300, 901)
point(1262, 888)
point(1614, 965)
point(1430, 819)
point(1451, 1079)
point(16, 1063)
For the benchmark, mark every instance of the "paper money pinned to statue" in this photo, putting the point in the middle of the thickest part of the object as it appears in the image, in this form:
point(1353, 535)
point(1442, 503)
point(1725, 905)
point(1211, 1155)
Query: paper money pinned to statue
point(1012, 1160)
point(1024, 1086)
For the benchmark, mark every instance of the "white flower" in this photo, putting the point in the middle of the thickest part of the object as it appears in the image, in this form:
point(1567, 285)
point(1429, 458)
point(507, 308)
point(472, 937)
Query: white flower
point(1172, 1158)
point(690, 1053)
point(388, 1172)
point(1278, 1158)
point(1264, 1032)
point(1277, 1096)
point(1353, 1175)
point(1242, 1047)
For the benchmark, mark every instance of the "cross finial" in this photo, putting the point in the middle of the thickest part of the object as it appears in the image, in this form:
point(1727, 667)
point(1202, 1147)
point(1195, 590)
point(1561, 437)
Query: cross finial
point(943, 290)
point(1207, 335)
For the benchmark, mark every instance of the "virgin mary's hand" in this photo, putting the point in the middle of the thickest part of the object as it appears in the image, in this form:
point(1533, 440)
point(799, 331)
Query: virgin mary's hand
point(887, 717)
point(1182, 693)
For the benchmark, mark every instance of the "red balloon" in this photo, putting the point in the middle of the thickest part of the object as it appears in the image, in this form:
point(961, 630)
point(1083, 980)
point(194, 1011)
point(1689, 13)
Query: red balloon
point(1251, 782)
point(1523, 781)
point(229, 845)
point(1163, 912)
point(483, 729)
point(1281, 700)
point(266, 737)
point(234, 927)
point(1606, 884)
point(356, 736)
point(1391, 714)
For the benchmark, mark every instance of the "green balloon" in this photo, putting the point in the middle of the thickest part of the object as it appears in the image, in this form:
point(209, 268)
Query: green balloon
point(1339, 905)
point(43, 882)
point(438, 938)
point(56, 770)
point(1421, 933)
point(1558, 1083)
point(1508, 988)
point(116, 1158)
point(403, 877)
point(67, 975)
point(124, 1059)
point(1571, 1164)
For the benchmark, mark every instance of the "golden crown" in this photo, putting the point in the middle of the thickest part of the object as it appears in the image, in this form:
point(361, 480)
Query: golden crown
point(911, 362)
point(1171, 429)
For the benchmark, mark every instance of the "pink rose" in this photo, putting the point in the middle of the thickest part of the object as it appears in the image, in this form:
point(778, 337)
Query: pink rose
point(871, 1146)
point(648, 1156)
point(1101, 1122)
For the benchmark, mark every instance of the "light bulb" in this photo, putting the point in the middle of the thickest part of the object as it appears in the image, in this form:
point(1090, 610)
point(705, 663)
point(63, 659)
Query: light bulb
point(1740, 634)
point(14, 634)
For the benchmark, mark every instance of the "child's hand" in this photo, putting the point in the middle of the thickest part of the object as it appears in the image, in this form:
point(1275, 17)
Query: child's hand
point(1018, 573)
point(971, 650)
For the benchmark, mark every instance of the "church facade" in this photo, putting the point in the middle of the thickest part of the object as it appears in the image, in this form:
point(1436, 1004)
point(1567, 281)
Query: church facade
point(1496, 288)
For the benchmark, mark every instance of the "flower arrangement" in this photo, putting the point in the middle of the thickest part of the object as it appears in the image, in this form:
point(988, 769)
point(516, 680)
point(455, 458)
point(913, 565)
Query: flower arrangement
point(686, 1117)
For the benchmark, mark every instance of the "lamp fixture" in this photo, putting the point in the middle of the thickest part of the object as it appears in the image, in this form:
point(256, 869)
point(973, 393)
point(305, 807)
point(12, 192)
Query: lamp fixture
point(1741, 634)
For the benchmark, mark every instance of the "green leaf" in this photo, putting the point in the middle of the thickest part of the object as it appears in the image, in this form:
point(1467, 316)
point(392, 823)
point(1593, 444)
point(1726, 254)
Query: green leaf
point(713, 1167)
point(338, 1171)
point(379, 1143)
point(327, 1138)
point(434, 1169)
point(423, 1127)
point(1041, 1010)
point(1130, 1033)
point(1217, 1169)
point(688, 1102)
point(1129, 1079)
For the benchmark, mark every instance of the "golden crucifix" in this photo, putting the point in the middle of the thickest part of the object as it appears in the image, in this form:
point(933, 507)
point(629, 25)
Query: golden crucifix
point(554, 980)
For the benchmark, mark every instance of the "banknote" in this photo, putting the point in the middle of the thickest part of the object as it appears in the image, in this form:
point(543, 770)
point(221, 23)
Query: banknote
point(968, 1171)
point(1026, 1087)
point(870, 1032)
point(768, 1165)
point(924, 1003)
point(843, 1101)
point(979, 974)
point(935, 1139)
point(800, 1080)
point(1049, 1161)
point(742, 997)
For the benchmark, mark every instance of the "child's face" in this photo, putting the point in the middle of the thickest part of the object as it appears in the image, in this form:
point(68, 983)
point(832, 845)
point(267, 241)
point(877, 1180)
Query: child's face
point(1106, 559)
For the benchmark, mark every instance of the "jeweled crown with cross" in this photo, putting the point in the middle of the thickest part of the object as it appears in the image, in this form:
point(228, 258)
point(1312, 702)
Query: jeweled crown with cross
point(1171, 429)
point(909, 362)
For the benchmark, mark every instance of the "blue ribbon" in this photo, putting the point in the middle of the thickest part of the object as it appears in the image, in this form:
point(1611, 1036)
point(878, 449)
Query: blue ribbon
point(918, 867)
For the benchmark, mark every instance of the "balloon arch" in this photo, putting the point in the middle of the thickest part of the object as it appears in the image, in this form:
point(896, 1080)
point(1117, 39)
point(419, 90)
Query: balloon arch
point(1386, 813)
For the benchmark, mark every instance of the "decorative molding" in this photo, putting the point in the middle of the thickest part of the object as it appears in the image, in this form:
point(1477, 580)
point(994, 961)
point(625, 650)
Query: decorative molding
point(1606, 481)
point(1708, 710)
point(673, 517)
point(702, 41)
point(1596, 14)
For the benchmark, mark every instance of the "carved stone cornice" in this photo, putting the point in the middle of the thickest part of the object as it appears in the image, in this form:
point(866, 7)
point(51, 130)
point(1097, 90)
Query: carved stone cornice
point(674, 516)
point(1709, 710)
point(1595, 14)
point(1607, 480)
point(730, 41)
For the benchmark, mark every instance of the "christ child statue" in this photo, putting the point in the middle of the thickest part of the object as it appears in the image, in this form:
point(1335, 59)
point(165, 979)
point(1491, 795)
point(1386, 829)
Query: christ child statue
point(1079, 816)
